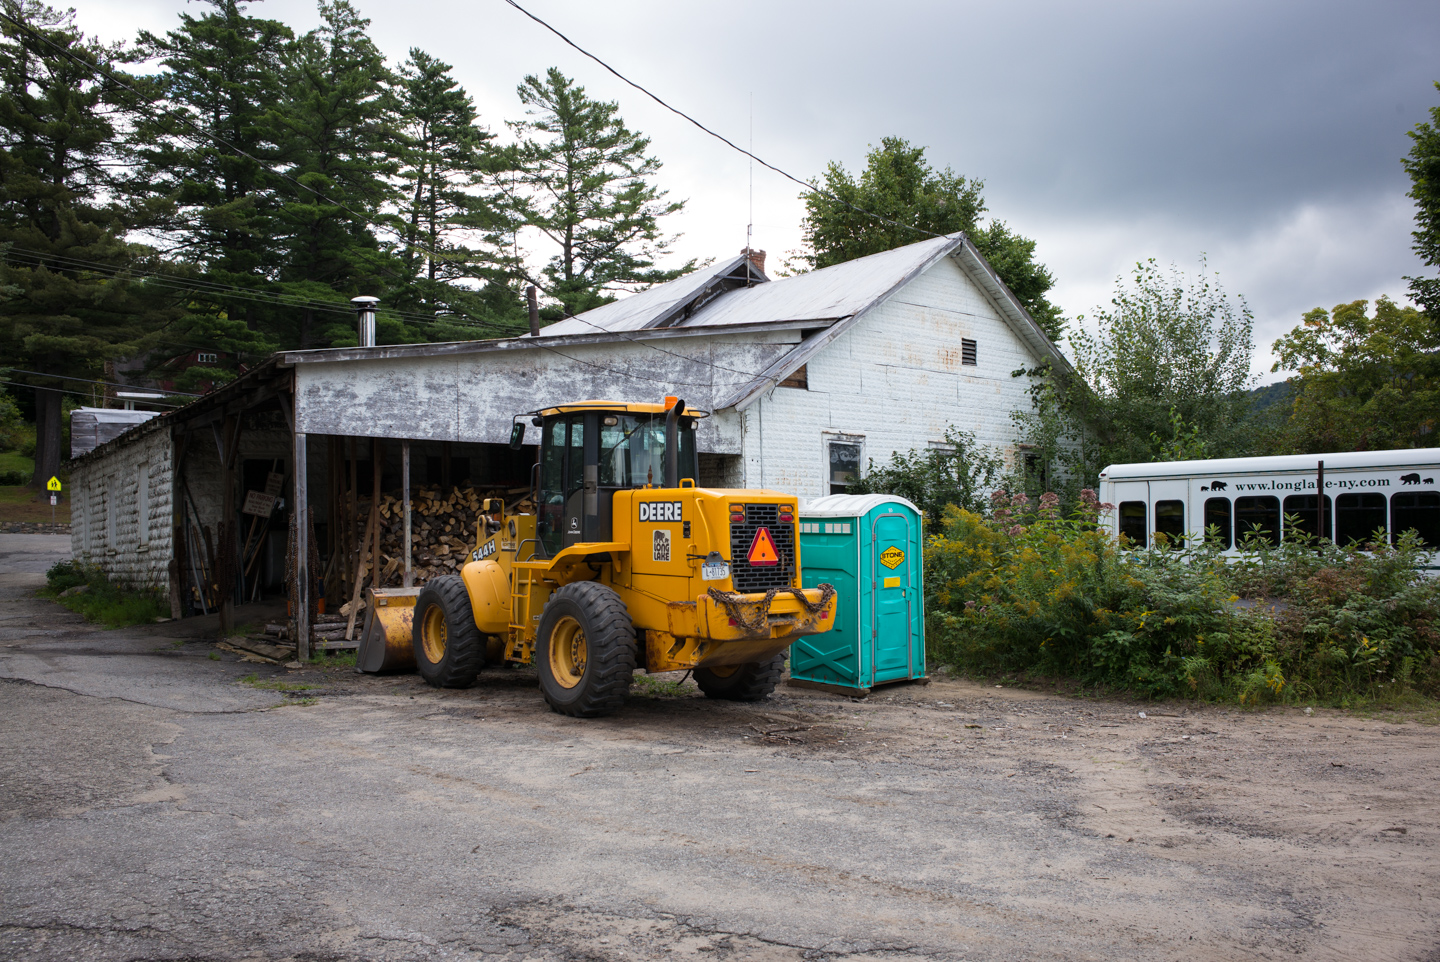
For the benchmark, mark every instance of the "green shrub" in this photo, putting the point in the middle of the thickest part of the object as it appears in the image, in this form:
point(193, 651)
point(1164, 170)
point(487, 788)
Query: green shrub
point(103, 601)
point(13, 478)
point(1025, 591)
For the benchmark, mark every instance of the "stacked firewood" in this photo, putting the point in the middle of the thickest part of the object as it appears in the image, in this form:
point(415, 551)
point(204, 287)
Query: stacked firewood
point(443, 529)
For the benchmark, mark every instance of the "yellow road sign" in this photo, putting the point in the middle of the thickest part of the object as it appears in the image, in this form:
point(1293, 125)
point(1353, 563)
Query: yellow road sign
point(53, 484)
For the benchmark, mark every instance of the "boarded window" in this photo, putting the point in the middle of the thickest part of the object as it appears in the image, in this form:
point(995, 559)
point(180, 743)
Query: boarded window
point(142, 504)
point(967, 351)
point(1259, 516)
point(1132, 522)
point(1358, 516)
point(1303, 508)
point(1217, 521)
point(798, 378)
point(1420, 512)
point(1170, 519)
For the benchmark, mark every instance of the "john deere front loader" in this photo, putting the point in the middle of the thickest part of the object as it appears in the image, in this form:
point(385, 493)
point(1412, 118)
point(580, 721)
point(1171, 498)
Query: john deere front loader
point(623, 563)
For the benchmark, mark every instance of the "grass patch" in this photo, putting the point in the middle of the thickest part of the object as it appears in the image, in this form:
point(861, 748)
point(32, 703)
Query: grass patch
point(100, 600)
point(334, 658)
point(15, 461)
point(19, 503)
point(647, 687)
point(254, 681)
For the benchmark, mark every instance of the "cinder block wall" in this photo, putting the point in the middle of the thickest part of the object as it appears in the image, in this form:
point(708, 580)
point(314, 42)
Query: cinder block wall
point(120, 510)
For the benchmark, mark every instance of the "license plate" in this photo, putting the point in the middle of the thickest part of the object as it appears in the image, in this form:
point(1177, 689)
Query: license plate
point(715, 571)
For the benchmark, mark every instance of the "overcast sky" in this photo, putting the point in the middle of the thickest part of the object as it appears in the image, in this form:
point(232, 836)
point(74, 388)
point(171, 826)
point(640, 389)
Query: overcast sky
point(1266, 135)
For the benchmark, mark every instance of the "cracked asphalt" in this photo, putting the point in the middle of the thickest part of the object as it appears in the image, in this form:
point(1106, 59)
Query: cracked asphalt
point(153, 805)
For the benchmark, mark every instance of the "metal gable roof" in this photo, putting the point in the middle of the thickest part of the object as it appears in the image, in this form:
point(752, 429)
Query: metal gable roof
point(661, 305)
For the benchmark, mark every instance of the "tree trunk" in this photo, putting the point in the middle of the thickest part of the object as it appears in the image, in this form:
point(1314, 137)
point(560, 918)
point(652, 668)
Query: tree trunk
point(47, 436)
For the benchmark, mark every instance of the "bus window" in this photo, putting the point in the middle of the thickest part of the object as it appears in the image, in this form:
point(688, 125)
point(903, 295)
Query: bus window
point(1170, 519)
point(1420, 511)
point(1262, 511)
point(1132, 522)
point(1302, 506)
point(1358, 516)
point(1217, 515)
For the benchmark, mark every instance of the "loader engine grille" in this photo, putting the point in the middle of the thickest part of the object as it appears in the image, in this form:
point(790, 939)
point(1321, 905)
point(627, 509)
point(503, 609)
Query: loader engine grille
point(750, 578)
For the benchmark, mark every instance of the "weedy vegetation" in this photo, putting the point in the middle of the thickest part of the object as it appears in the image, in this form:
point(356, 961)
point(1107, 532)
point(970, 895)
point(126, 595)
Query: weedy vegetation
point(99, 599)
point(1021, 591)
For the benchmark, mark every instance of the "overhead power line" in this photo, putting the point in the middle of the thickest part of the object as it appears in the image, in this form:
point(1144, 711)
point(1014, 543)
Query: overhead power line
point(62, 390)
point(87, 380)
point(811, 188)
point(220, 289)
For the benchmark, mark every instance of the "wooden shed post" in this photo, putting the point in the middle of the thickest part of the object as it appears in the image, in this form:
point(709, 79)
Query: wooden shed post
point(377, 452)
point(303, 586)
point(405, 495)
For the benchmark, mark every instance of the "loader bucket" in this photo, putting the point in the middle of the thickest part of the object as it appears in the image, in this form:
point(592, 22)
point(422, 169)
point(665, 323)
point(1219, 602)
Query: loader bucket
point(387, 643)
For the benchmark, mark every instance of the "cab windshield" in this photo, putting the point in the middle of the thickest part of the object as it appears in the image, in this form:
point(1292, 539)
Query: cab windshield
point(632, 450)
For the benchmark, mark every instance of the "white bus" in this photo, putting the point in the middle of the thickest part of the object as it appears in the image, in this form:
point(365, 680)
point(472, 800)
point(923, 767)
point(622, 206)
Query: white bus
point(1362, 491)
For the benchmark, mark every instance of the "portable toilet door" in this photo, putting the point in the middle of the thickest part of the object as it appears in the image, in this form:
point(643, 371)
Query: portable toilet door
point(870, 547)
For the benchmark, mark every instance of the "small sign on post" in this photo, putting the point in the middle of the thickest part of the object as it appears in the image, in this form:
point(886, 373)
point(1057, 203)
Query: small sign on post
point(53, 486)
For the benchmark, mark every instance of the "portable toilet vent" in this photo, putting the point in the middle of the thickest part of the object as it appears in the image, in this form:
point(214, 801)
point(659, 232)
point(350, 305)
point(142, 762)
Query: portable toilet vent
point(871, 548)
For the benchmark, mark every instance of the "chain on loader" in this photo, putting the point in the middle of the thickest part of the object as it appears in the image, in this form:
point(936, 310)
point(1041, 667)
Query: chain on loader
point(618, 562)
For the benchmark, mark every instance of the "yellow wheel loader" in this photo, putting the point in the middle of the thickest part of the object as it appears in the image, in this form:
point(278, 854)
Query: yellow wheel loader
point(619, 562)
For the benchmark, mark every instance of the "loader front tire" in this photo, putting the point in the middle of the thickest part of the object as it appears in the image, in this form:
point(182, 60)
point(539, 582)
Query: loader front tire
point(449, 649)
point(585, 650)
point(752, 682)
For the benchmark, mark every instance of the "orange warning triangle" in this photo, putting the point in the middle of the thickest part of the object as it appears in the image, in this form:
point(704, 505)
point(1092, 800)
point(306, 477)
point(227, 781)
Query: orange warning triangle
point(762, 550)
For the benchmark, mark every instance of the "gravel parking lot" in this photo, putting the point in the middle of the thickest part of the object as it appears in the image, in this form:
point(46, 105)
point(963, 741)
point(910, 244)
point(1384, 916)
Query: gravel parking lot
point(153, 805)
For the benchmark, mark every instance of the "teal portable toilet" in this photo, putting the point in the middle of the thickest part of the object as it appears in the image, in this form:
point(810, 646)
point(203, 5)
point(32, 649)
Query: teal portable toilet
point(871, 548)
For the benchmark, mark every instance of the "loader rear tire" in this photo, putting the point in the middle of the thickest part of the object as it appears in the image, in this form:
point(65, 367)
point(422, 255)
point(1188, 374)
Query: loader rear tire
point(752, 682)
point(585, 650)
point(449, 649)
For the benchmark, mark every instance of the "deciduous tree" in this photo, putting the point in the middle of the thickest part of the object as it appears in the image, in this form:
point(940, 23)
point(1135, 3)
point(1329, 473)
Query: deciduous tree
point(899, 199)
point(1362, 382)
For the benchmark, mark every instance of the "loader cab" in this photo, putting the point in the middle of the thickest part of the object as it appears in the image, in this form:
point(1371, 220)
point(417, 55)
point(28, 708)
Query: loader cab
point(592, 449)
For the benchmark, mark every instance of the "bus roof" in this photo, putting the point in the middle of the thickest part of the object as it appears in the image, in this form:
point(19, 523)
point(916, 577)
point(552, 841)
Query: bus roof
point(1341, 461)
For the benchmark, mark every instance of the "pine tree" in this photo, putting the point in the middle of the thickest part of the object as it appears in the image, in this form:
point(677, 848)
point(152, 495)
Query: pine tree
point(336, 124)
point(587, 188)
point(68, 302)
point(207, 151)
point(457, 255)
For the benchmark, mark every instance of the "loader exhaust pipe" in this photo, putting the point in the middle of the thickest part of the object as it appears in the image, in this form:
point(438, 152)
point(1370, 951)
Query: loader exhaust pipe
point(672, 441)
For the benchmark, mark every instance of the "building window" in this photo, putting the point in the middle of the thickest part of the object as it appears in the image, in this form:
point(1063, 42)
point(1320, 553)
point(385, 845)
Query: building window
point(142, 504)
point(798, 378)
point(843, 464)
point(107, 504)
point(967, 351)
point(206, 358)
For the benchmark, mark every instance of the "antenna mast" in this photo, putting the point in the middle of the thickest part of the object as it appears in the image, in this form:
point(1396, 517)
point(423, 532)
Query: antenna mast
point(750, 226)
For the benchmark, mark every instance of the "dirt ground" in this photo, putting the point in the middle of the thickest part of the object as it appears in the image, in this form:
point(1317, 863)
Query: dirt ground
point(153, 804)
